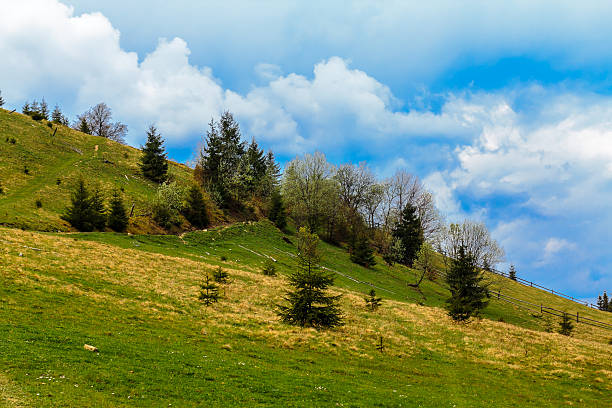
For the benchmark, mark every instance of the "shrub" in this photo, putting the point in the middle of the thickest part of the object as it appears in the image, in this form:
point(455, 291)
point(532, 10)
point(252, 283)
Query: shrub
point(50, 125)
point(38, 203)
point(26, 170)
point(372, 301)
point(13, 140)
point(223, 258)
point(58, 181)
point(269, 269)
point(565, 325)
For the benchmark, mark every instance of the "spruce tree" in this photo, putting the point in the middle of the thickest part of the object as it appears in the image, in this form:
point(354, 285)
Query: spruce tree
point(468, 292)
point(512, 273)
point(44, 109)
point(309, 305)
point(409, 230)
point(1, 100)
point(277, 212)
point(79, 214)
point(372, 301)
point(117, 218)
point(83, 126)
point(98, 210)
point(220, 275)
point(362, 253)
point(209, 292)
point(600, 303)
point(565, 325)
point(195, 211)
point(605, 301)
point(153, 163)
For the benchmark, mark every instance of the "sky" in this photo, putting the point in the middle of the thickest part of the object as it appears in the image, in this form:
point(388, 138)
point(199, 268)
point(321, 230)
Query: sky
point(503, 109)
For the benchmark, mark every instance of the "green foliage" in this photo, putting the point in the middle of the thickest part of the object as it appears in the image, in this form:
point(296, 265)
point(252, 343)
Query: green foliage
point(80, 214)
point(512, 272)
point(277, 212)
point(1, 100)
point(83, 126)
point(362, 253)
point(38, 203)
point(168, 204)
point(153, 162)
point(425, 261)
point(468, 291)
point(98, 218)
point(565, 325)
point(117, 217)
point(269, 268)
point(57, 117)
point(410, 232)
point(220, 275)
point(209, 292)
point(195, 210)
point(372, 301)
point(309, 305)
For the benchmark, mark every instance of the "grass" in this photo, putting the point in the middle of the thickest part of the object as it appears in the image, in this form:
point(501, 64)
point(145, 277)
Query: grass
point(55, 162)
point(135, 298)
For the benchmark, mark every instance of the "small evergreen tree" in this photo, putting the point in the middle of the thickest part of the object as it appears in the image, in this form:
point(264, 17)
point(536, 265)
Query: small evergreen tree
point(600, 303)
point(277, 212)
point(565, 325)
point(83, 126)
point(409, 230)
point(209, 292)
point(1, 100)
point(512, 273)
point(58, 117)
point(468, 292)
point(153, 163)
point(372, 301)
point(117, 218)
point(220, 275)
point(362, 253)
point(98, 216)
point(80, 214)
point(195, 210)
point(605, 301)
point(44, 109)
point(269, 268)
point(309, 305)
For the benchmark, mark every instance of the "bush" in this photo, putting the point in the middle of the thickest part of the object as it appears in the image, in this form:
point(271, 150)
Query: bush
point(50, 125)
point(38, 203)
point(58, 181)
point(223, 258)
point(269, 269)
point(26, 170)
point(167, 205)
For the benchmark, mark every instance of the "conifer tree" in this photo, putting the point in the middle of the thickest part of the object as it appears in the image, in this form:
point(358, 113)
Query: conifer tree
point(44, 109)
point(83, 126)
point(153, 163)
point(277, 212)
point(79, 214)
point(220, 275)
point(372, 301)
point(1, 100)
point(362, 253)
point(58, 117)
point(209, 292)
point(468, 292)
point(600, 303)
point(98, 210)
point(195, 210)
point(605, 301)
point(269, 268)
point(409, 230)
point(512, 273)
point(565, 325)
point(309, 305)
point(117, 218)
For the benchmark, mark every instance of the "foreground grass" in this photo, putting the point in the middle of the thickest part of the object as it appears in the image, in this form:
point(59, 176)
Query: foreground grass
point(160, 346)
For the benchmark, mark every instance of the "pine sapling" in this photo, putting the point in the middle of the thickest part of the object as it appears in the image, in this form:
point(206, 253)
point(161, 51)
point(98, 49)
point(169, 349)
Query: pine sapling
point(220, 276)
point(372, 301)
point(565, 325)
point(269, 269)
point(209, 292)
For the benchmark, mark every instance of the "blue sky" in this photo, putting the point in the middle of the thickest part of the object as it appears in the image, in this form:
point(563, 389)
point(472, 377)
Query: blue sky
point(504, 110)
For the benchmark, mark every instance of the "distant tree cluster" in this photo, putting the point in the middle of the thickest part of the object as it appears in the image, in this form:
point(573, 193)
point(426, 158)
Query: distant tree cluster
point(231, 170)
point(603, 303)
point(87, 210)
point(36, 110)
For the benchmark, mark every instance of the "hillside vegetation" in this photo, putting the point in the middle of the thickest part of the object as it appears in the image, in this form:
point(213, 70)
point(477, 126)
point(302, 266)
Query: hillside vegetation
point(38, 165)
point(135, 298)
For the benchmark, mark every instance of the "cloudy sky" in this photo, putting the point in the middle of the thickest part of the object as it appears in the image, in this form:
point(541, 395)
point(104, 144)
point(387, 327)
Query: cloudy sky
point(504, 109)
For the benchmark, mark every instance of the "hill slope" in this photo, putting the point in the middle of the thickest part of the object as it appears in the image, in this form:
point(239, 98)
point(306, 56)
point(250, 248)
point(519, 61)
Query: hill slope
point(55, 162)
point(135, 298)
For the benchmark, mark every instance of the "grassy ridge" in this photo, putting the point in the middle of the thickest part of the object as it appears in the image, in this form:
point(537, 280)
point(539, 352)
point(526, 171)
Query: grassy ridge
point(134, 297)
point(54, 163)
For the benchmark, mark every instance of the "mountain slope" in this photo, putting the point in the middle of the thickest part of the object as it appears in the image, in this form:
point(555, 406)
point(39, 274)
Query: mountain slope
point(135, 298)
point(54, 160)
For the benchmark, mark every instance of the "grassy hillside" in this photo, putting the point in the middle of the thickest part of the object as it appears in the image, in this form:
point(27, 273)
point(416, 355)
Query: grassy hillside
point(53, 165)
point(135, 298)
